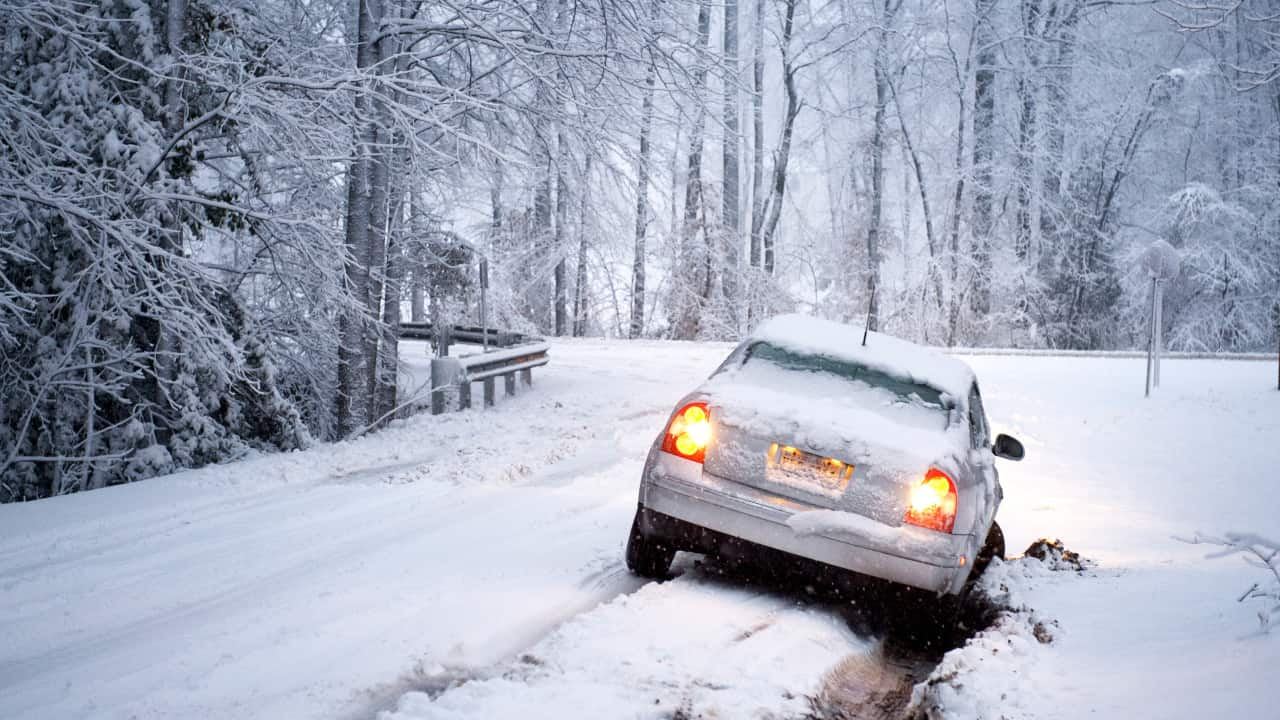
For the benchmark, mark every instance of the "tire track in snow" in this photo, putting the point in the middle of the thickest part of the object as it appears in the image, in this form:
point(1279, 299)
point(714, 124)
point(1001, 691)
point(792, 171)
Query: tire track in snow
point(695, 646)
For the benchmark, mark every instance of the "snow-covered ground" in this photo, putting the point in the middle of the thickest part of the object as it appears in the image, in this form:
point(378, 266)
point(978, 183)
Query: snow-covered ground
point(373, 576)
point(1153, 629)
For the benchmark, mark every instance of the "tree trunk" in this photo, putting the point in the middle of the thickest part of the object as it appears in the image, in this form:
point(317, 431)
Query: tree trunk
point(877, 195)
point(730, 212)
point(935, 275)
point(379, 214)
point(1057, 85)
point(542, 235)
point(758, 189)
point(174, 29)
point(351, 392)
point(888, 10)
point(1025, 168)
point(783, 157)
point(642, 205)
point(495, 198)
point(984, 139)
point(414, 244)
point(389, 349)
point(580, 287)
point(688, 313)
point(957, 198)
point(417, 297)
point(1027, 96)
point(562, 216)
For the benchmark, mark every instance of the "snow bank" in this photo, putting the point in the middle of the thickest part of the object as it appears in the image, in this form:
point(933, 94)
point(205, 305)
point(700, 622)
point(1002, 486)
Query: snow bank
point(1154, 629)
point(989, 676)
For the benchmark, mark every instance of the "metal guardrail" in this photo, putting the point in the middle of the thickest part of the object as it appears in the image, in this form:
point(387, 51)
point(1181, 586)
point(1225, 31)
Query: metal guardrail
point(489, 337)
point(516, 357)
point(460, 371)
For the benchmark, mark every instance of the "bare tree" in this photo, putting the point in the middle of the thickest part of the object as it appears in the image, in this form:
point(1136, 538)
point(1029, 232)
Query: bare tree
point(888, 10)
point(772, 209)
point(984, 141)
point(730, 210)
point(642, 201)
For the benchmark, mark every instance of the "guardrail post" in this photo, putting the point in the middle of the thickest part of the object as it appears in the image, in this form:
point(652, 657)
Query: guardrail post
point(464, 394)
point(488, 392)
point(445, 371)
point(526, 376)
point(509, 380)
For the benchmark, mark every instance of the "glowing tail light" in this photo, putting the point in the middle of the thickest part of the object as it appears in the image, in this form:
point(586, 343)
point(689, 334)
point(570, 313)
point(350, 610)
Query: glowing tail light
point(689, 432)
point(933, 502)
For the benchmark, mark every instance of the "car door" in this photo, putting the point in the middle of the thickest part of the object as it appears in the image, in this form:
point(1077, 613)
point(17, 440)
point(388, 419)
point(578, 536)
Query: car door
point(982, 461)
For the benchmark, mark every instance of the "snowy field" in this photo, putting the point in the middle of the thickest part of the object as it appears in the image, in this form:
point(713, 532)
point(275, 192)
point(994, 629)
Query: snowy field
point(372, 578)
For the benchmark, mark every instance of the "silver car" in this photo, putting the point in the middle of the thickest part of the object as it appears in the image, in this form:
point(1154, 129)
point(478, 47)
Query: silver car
point(861, 451)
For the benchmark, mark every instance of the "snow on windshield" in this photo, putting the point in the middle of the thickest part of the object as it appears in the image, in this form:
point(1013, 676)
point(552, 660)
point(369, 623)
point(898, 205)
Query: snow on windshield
point(899, 400)
point(808, 335)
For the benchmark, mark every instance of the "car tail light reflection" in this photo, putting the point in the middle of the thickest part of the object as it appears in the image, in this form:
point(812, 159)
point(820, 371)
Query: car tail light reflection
point(689, 432)
point(933, 502)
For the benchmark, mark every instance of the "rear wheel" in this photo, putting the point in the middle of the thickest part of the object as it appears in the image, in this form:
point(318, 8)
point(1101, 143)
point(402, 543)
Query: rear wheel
point(648, 556)
point(992, 548)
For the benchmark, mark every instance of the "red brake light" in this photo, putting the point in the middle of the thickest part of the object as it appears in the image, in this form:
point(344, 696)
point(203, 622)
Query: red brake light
point(933, 502)
point(689, 432)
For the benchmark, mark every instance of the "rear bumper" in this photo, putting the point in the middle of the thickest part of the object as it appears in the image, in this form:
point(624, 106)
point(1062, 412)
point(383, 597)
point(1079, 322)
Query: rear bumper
point(941, 565)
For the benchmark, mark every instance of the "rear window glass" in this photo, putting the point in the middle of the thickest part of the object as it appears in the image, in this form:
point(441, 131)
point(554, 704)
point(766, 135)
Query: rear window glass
point(903, 391)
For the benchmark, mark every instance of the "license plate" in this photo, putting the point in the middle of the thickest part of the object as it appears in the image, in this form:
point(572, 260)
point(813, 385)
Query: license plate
point(797, 467)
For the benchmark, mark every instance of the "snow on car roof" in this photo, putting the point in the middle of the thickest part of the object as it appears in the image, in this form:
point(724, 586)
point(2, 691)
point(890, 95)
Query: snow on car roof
point(899, 358)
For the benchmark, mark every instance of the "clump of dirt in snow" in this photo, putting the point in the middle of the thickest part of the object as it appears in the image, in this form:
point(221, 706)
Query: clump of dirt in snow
point(1054, 554)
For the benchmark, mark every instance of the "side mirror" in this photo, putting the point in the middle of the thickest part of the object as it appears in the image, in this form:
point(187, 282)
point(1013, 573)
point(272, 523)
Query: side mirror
point(1008, 448)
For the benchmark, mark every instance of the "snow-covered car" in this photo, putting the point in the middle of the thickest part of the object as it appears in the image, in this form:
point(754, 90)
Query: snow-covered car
point(874, 457)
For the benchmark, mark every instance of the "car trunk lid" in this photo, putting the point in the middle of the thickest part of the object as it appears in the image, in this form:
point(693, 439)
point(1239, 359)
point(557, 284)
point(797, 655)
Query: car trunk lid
point(820, 439)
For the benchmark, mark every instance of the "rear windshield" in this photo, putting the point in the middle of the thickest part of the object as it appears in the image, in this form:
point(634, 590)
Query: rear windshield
point(900, 391)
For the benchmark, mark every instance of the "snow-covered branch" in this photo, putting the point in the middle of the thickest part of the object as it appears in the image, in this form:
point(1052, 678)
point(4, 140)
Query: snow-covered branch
point(1258, 552)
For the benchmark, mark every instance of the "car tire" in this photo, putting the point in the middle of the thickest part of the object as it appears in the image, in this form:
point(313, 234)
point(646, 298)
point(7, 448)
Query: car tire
point(992, 548)
point(648, 556)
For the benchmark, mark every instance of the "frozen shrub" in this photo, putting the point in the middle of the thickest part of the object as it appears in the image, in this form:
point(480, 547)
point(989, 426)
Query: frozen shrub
point(1258, 552)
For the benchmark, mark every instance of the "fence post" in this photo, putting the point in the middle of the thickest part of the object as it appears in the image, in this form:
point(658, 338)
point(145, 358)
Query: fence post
point(464, 394)
point(509, 381)
point(526, 376)
point(445, 371)
point(488, 392)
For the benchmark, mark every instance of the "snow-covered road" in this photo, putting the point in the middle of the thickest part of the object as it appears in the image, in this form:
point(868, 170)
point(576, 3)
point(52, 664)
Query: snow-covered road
point(330, 583)
point(324, 583)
